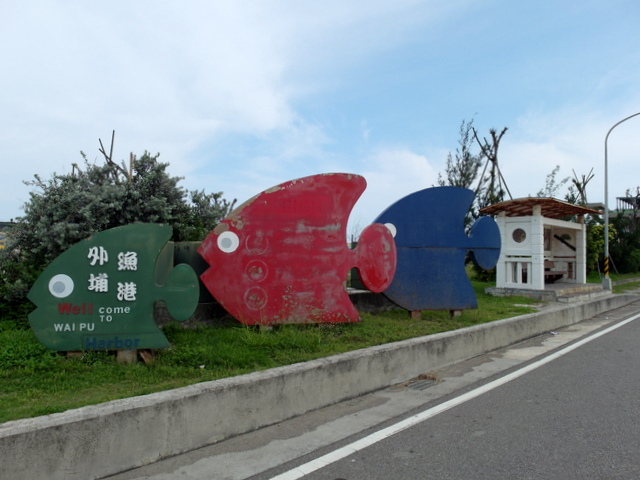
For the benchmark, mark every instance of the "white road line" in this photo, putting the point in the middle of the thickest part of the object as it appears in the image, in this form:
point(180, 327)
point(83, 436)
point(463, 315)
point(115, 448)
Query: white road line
point(387, 432)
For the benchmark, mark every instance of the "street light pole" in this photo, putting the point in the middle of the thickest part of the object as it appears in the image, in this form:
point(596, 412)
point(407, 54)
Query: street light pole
point(606, 282)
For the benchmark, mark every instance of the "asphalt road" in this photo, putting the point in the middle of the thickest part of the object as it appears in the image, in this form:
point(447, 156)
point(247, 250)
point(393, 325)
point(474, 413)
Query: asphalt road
point(577, 417)
point(530, 411)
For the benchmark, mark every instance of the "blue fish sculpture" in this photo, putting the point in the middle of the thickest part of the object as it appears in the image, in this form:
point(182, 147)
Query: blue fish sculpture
point(432, 245)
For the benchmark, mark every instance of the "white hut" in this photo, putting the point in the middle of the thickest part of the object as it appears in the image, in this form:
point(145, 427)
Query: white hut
point(538, 249)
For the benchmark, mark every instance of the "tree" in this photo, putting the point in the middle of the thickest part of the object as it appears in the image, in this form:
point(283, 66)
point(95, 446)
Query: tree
point(494, 189)
point(625, 249)
point(595, 244)
point(68, 208)
point(462, 171)
point(462, 168)
point(577, 194)
point(578, 189)
point(205, 212)
point(551, 186)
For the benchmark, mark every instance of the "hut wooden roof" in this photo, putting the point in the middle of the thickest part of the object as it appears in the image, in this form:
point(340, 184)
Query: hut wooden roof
point(551, 208)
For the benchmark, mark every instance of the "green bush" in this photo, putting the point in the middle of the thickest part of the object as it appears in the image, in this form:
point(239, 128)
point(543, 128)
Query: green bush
point(21, 349)
point(16, 280)
point(68, 208)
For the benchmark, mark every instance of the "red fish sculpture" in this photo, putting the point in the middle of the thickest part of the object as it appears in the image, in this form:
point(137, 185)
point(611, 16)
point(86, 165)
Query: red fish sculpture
point(281, 257)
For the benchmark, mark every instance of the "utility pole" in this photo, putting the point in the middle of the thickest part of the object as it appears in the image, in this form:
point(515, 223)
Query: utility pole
point(606, 282)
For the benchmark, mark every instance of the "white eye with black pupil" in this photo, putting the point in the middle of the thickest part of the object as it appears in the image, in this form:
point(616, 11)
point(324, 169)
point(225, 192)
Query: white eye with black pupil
point(228, 242)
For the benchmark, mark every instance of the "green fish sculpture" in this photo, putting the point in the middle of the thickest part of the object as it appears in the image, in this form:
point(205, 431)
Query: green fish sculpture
point(100, 294)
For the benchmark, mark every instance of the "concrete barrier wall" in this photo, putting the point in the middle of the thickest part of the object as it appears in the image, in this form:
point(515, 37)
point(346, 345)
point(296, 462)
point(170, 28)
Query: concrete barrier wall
point(96, 441)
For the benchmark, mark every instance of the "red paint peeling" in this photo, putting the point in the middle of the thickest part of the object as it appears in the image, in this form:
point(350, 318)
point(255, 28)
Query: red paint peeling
point(298, 240)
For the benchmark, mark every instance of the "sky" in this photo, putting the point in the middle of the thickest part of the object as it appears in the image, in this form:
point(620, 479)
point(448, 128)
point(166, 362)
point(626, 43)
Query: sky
point(239, 96)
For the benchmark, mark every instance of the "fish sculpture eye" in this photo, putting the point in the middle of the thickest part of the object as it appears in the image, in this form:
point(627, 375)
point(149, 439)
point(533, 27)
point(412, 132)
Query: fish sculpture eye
point(61, 285)
point(228, 242)
point(392, 228)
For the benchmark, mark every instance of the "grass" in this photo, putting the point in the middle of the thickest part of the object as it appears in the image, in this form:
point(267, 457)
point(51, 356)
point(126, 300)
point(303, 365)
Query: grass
point(594, 277)
point(35, 381)
point(626, 287)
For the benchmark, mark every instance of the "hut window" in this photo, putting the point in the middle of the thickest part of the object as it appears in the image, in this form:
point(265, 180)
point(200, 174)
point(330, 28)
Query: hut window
point(519, 235)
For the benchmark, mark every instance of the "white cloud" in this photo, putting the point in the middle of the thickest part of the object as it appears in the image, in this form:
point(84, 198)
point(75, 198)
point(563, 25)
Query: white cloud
point(391, 174)
point(574, 139)
point(165, 76)
point(187, 79)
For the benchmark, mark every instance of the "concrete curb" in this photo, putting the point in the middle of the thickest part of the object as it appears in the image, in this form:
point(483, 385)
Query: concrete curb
point(97, 441)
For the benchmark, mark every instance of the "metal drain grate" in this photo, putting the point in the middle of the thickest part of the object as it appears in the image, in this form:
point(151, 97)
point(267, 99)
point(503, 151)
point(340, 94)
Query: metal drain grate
point(422, 384)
